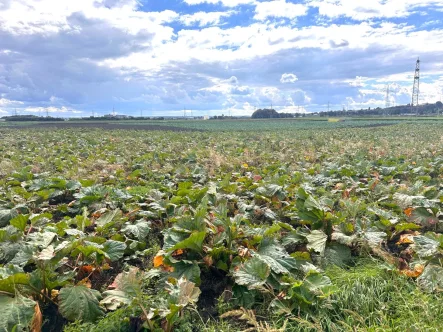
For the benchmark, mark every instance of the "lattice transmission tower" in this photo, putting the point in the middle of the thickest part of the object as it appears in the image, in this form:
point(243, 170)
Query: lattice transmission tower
point(416, 87)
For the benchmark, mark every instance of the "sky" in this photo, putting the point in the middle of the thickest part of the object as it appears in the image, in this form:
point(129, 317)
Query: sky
point(211, 57)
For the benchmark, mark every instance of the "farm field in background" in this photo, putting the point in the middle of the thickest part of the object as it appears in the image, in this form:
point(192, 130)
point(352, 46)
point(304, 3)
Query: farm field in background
point(230, 125)
point(268, 225)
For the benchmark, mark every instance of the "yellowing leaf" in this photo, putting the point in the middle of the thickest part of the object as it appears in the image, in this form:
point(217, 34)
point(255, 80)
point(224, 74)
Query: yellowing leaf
point(87, 268)
point(158, 261)
point(54, 293)
point(106, 266)
point(208, 260)
point(406, 239)
point(168, 268)
point(408, 211)
point(178, 252)
point(85, 282)
point(37, 320)
point(418, 270)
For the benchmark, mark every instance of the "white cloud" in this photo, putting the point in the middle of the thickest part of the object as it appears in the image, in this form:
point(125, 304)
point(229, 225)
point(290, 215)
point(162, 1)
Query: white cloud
point(359, 81)
point(364, 10)
point(51, 109)
point(279, 8)
point(288, 78)
point(88, 51)
point(7, 102)
point(293, 109)
point(203, 18)
point(53, 16)
point(226, 3)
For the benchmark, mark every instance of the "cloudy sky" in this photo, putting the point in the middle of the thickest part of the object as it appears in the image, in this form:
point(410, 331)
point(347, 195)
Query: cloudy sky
point(76, 57)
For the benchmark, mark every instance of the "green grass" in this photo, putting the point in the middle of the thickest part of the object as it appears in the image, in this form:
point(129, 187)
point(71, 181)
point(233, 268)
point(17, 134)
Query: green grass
point(369, 298)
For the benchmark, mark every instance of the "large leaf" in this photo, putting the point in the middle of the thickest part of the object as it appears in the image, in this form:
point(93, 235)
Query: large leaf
point(193, 242)
point(189, 293)
point(79, 303)
point(347, 240)
point(8, 284)
point(22, 257)
point(127, 286)
point(432, 278)
point(337, 254)
point(188, 270)
point(108, 218)
point(405, 201)
point(115, 299)
point(129, 282)
point(275, 256)
point(114, 250)
point(374, 237)
point(317, 241)
point(315, 281)
point(423, 217)
point(42, 239)
point(293, 237)
point(46, 254)
point(20, 222)
point(16, 313)
point(140, 229)
point(253, 273)
point(271, 190)
point(6, 216)
point(424, 246)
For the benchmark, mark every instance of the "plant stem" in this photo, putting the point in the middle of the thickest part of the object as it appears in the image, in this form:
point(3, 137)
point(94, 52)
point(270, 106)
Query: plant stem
point(151, 326)
point(42, 293)
point(6, 293)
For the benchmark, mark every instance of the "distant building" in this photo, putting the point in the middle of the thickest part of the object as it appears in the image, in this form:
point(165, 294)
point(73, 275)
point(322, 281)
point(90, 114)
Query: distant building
point(121, 116)
point(116, 116)
point(205, 117)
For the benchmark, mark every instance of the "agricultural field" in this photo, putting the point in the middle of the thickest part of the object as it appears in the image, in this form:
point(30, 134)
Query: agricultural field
point(227, 226)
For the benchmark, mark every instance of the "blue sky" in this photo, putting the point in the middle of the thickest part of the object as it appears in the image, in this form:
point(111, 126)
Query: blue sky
point(157, 57)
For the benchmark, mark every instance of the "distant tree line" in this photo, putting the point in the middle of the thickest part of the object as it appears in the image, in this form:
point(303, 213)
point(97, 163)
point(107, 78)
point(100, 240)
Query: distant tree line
point(269, 113)
point(425, 109)
point(30, 118)
point(223, 117)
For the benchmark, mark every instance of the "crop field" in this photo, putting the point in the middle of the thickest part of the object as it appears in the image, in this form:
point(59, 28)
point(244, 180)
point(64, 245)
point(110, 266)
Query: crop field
point(243, 225)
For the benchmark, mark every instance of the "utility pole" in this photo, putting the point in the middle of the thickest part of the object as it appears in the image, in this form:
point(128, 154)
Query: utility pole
point(328, 106)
